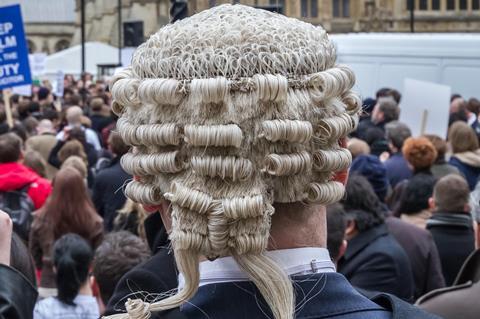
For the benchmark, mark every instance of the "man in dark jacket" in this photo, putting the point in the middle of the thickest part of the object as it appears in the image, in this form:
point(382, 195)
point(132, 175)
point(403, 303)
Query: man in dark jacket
point(373, 260)
point(397, 167)
point(108, 195)
point(451, 224)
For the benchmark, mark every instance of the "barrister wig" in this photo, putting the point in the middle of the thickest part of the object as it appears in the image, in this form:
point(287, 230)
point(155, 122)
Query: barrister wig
point(227, 112)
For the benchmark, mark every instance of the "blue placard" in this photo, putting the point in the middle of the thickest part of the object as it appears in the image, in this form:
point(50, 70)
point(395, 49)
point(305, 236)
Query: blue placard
point(14, 67)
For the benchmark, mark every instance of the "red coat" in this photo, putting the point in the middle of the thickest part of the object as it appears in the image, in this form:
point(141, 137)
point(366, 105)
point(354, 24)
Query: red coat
point(14, 176)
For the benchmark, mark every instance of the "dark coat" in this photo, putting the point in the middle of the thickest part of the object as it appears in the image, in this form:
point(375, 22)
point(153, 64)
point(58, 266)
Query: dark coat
point(107, 192)
point(460, 300)
point(471, 173)
point(375, 261)
point(99, 122)
point(331, 296)
point(455, 239)
point(422, 253)
point(397, 169)
point(17, 295)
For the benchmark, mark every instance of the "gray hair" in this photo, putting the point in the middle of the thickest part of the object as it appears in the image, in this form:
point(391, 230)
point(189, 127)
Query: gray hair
point(397, 132)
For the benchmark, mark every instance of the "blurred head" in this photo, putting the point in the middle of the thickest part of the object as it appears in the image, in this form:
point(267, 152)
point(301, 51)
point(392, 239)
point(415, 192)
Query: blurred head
point(336, 226)
point(72, 258)
point(69, 207)
point(451, 194)
point(10, 148)
point(78, 133)
point(385, 111)
point(96, 104)
point(419, 153)
point(45, 127)
point(358, 147)
point(35, 161)
point(362, 205)
point(375, 138)
point(74, 115)
point(440, 145)
point(374, 171)
point(397, 132)
point(117, 254)
point(77, 163)
point(456, 103)
point(462, 138)
point(473, 105)
point(116, 144)
point(72, 148)
point(417, 193)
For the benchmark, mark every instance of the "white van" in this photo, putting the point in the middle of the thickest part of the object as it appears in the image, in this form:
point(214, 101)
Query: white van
point(386, 59)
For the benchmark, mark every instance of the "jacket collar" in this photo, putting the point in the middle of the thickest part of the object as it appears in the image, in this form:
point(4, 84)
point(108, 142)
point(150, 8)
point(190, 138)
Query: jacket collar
point(453, 219)
point(363, 239)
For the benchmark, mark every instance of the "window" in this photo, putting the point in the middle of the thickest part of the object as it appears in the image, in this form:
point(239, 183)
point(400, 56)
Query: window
point(463, 4)
point(341, 8)
point(62, 45)
point(450, 4)
point(423, 5)
point(435, 4)
point(475, 4)
point(309, 8)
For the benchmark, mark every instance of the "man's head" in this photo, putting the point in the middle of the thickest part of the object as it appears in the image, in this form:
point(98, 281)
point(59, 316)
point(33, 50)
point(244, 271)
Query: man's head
point(74, 115)
point(96, 104)
point(440, 145)
point(10, 148)
point(462, 138)
point(116, 144)
point(456, 102)
point(245, 111)
point(117, 254)
point(358, 147)
point(451, 194)
point(45, 127)
point(397, 132)
point(385, 111)
point(417, 193)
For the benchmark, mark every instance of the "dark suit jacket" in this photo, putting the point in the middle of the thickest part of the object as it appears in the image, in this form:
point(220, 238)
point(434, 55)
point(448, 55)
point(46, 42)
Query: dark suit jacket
point(17, 295)
point(375, 261)
point(422, 253)
point(108, 195)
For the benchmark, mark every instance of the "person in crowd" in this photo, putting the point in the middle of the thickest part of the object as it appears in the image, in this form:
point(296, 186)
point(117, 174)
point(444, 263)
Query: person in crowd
point(68, 210)
point(131, 217)
point(473, 107)
point(396, 165)
point(99, 120)
point(461, 299)
point(417, 243)
point(451, 224)
point(373, 260)
point(440, 167)
point(375, 138)
point(414, 205)
point(71, 148)
point(43, 143)
point(336, 226)
point(45, 99)
point(268, 209)
point(77, 163)
point(105, 192)
point(74, 117)
point(15, 176)
point(386, 110)
point(466, 152)
point(456, 100)
point(358, 147)
point(72, 258)
point(117, 254)
point(374, 171)
point(34, 161)
point(17, 289)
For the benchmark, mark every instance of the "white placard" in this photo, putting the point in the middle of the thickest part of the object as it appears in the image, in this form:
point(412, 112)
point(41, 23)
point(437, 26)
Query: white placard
point(37, 63)
point(25, 90)
point(59, 83)
point(425, 107)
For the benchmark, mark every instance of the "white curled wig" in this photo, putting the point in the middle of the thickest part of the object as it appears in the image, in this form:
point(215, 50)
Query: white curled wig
point(227, 112)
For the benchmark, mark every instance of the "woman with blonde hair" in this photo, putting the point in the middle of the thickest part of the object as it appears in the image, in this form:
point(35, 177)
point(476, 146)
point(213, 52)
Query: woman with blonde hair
point(67, 210)
point(466, 152)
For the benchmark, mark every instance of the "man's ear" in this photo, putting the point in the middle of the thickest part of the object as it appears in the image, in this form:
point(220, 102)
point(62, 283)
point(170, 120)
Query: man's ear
point(431, 203)
point(351, 229)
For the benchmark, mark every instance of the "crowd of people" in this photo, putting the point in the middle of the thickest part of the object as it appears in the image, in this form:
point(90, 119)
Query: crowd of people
point(72, 245)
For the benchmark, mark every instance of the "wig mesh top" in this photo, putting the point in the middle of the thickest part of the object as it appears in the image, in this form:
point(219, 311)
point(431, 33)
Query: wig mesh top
point(257, 41)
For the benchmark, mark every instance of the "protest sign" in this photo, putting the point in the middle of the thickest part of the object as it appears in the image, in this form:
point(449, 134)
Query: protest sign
point(425, 107)
point(14, 67)
point(37, 63)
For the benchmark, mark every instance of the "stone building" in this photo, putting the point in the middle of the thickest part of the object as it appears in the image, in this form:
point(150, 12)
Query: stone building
point(52, 25)
point(49, 24)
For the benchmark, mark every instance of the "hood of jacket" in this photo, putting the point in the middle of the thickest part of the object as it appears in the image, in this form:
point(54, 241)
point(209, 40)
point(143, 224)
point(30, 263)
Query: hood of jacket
point(14, 176)
point(470, 158)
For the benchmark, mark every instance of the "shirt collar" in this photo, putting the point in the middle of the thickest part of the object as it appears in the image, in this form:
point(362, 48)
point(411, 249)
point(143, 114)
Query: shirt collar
point(295, 261)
